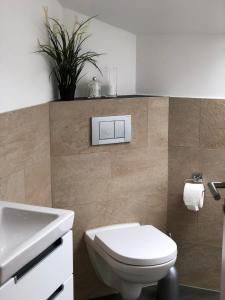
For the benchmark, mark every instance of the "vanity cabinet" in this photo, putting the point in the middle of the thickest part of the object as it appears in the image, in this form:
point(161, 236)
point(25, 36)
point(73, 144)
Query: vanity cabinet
point(47, 277)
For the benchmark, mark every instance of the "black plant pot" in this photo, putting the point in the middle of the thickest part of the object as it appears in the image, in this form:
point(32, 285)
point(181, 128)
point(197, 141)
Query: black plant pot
point(67, 93)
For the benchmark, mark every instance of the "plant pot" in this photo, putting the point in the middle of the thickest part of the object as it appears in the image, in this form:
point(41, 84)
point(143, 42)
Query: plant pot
point(67, 93)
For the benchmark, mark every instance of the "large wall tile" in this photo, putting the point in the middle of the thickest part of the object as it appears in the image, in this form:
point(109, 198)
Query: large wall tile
point(140, 170)
point(184, 122)
point(158, 118)
point(22, 133)
point(201, 266)
point(212, 126)
point(85, 273)
point(81, 178)
point(25, 156)
point(210, 223)
point(183, 161)
point(213, 164)
point(70, 127)
point(38, 180)
point(12, 188)
point(182, 224)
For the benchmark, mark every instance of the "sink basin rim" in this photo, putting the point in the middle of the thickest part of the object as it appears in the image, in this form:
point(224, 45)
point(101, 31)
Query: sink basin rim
point(34, 245)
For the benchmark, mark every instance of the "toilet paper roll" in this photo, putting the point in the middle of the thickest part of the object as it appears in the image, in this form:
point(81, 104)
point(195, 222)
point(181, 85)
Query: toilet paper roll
point(193, 196)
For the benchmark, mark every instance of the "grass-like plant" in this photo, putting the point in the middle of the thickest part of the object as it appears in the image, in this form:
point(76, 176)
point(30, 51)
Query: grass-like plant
point(65, 49)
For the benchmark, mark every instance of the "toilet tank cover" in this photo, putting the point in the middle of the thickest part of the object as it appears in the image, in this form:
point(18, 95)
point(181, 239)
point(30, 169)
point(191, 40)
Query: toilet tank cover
point(139, 245)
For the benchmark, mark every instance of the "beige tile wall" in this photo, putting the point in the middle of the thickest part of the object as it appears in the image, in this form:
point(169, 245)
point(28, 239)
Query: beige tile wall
point(25, 156)
point(122, 183)
point(108, 184)
point(196, 143)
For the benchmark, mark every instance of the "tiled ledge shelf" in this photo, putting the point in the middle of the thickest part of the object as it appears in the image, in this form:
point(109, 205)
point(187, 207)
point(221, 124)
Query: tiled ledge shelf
point(112, 98)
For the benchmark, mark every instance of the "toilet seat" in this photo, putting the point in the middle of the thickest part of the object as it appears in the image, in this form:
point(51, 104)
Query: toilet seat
point(137, 245)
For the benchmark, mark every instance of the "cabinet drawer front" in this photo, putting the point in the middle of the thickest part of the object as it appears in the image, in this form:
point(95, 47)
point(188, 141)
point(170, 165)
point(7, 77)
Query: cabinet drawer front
point(44, 278)
point(65, 292)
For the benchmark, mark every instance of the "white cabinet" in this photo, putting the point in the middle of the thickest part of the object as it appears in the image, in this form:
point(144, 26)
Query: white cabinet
point(47, 277)
point(66, 292)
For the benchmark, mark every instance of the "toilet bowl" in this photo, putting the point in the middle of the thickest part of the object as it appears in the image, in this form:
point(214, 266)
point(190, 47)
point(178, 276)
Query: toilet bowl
point(128, 257)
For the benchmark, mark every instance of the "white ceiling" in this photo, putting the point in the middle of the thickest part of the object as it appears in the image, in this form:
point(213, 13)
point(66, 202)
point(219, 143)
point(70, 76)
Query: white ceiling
point(156, 16)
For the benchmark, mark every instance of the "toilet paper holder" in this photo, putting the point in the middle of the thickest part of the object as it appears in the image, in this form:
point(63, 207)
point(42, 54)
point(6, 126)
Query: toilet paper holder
point(196, 178)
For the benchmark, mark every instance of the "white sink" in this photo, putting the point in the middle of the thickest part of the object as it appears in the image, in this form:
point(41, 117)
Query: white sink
point(26, 231)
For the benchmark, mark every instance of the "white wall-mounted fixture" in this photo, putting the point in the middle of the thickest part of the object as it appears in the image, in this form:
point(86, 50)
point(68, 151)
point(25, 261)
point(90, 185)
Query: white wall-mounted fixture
point(36, 248)
point(128, 257)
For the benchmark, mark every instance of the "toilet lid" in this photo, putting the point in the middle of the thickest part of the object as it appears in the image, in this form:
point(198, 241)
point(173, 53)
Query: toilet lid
point(139, 245)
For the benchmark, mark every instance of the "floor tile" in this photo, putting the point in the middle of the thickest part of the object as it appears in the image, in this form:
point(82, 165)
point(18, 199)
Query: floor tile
point(185, 293)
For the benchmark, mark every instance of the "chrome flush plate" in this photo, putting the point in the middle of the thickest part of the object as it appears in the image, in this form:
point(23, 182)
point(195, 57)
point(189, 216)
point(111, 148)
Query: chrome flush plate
point(111, 130)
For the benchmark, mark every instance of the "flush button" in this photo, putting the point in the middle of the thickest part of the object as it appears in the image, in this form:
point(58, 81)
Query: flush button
point(106, 130)
point(111, 129)
point(119, 129)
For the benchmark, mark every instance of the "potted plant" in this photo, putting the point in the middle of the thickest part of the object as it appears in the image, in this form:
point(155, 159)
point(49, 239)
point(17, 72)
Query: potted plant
point(67, 55)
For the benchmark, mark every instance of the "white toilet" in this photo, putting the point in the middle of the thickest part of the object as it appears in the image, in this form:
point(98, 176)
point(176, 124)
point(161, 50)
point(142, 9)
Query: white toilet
point(128, 257)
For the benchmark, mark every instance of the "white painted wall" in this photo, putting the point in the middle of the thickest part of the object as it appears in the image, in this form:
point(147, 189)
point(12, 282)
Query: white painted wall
point(119, 48)
point(24, 75)
point(175, 65)
point(181, 65)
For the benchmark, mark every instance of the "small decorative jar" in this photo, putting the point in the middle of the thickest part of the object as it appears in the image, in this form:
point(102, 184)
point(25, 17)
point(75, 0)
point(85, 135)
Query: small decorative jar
point(94, 88)
point(110, 82)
